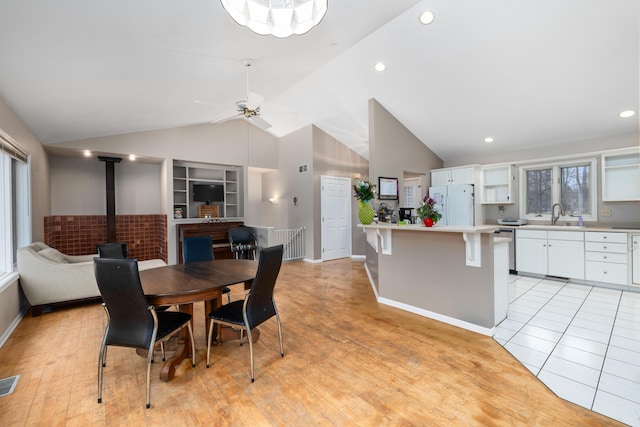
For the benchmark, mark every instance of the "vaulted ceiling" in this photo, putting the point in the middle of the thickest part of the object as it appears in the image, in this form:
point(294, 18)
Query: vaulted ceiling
point(526, 73)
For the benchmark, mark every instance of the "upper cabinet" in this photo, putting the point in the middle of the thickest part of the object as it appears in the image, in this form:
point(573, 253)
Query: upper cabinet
point(458, 175)
point(496, 187)
point(201, 189)
point(621, 175)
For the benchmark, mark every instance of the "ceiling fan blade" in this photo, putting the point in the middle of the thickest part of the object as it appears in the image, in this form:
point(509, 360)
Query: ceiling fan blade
point(254, 100)
point(260, 122)
point(227, 117)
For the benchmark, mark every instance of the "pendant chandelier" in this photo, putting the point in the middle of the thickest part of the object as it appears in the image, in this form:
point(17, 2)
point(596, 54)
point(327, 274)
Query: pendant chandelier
point(280, 18)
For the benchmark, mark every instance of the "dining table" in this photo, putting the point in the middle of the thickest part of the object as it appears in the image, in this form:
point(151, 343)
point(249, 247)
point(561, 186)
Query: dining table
point(193, 282)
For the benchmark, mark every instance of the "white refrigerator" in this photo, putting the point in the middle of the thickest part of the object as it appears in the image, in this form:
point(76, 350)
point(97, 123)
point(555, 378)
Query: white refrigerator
point(455, 203)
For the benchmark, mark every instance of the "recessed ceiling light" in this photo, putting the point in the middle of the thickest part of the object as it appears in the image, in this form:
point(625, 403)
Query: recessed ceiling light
point(380, 66)
point(87, 153)
point(628, 113)
point(132, 157)
point(427, 17)
point(488, 139)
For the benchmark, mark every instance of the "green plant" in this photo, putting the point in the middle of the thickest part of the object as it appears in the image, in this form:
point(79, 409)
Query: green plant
point(364, 191)
point(427, 210)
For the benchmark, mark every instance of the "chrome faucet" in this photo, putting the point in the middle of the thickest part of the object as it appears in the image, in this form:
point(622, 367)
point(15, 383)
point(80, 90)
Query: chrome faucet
point(554, 217)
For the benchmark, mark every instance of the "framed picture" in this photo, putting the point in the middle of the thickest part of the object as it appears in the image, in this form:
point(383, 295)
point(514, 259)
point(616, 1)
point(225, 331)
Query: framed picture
point(387, 188)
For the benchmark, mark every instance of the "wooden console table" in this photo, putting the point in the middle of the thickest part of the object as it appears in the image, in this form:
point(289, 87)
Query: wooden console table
point(219, 232)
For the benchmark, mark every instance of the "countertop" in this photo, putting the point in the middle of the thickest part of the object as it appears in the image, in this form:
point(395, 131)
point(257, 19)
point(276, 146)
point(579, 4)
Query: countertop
point(571, 228)
point(435, 228)
point(494, 227)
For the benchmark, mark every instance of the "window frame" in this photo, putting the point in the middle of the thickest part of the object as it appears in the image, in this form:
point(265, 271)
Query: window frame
point(15, 203)
point(556, 168)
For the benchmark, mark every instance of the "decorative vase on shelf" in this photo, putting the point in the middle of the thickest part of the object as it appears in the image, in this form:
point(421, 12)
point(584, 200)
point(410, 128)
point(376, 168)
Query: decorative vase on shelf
point(365, 213)
point(428, 222)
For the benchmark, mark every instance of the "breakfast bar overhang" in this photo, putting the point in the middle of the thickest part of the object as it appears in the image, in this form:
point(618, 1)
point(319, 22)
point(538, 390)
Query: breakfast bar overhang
point(457, 275)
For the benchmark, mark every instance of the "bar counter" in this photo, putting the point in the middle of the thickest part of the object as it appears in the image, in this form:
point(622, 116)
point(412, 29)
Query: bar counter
point(457, 275)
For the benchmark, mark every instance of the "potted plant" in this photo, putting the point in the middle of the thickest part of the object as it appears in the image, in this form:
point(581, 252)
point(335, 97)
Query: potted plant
point(364, 191)
point(427, 212)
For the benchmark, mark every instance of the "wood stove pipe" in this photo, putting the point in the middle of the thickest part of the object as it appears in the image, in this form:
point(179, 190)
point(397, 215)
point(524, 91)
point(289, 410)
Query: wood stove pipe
point(111, 195)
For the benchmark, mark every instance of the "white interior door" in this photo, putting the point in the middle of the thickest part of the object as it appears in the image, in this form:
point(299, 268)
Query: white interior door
point(335, 211)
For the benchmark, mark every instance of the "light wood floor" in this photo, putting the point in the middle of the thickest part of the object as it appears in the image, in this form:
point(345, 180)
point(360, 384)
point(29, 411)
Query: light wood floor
point(348, 361)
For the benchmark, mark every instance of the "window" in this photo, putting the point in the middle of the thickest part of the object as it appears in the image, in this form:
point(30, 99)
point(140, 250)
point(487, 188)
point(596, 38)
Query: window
point(14, 203)
point(572, 184)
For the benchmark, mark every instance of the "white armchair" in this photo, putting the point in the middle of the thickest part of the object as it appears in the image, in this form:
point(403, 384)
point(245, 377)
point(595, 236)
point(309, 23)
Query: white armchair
point(48, 276)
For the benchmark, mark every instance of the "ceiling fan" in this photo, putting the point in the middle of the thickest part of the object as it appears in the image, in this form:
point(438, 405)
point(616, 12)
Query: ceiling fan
point(248, 108)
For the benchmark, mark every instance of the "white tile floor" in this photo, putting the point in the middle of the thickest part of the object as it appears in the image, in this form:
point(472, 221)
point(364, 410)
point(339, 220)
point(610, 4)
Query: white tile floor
point(583, 342)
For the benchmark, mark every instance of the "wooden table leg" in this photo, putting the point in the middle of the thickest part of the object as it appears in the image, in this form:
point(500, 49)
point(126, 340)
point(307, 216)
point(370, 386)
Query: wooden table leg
point(182, 351)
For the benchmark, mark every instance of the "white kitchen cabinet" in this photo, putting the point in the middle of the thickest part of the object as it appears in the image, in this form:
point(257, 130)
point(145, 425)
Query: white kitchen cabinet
point(606, 257)
point(635, 256)
point(621, 175)
point(554, 253)
point(565, 256)
point(496, 185)
point(531, 251)
point(459, 175)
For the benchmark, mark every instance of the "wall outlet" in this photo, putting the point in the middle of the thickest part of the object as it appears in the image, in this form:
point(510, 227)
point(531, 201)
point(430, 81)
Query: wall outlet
point(605, 212)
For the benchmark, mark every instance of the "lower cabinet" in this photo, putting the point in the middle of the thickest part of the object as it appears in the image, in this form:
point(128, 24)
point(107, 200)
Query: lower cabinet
point(553, 253)
point(531, 251)
point(606, 258)
point(592, 256)
point(566, 254)
point(635, 256)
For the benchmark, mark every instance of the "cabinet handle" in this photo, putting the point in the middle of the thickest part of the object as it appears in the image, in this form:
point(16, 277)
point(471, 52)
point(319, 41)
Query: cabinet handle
point(604, 247)
point(604, 237)
point(605, 257)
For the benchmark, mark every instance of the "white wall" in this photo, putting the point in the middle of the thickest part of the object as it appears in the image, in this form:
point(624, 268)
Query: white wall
point(253, 210)
point(78, 187)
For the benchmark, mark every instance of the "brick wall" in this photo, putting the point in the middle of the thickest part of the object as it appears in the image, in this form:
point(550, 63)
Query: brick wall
point(145, 235)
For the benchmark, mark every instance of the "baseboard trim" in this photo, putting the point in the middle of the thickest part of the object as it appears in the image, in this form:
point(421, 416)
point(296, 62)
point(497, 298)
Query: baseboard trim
point(14, 324)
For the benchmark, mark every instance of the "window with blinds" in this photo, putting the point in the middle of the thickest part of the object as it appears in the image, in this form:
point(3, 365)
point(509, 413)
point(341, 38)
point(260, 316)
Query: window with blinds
point(15, 218)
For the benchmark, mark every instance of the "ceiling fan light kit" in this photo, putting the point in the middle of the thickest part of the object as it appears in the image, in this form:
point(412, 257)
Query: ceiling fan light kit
point(280, 18)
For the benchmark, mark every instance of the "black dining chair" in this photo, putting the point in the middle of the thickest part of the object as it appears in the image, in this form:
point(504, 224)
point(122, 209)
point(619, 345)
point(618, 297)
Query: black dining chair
point(131, 321)
point(119, 250)
point(258, 304)
point(242, 242)
point(113, 250)
point(200, 248)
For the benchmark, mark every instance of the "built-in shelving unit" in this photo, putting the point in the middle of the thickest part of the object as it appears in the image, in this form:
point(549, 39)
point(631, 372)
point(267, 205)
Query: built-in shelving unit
point(497, 184)
point(620, 175)
point(186, 174)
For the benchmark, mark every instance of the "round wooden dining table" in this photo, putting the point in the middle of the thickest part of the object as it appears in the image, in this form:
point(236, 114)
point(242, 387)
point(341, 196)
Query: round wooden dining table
point(185, 284)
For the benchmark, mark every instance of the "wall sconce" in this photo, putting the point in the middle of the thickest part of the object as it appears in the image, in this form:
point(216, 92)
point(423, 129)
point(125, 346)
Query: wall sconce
point(274, 200)
point(356, 175)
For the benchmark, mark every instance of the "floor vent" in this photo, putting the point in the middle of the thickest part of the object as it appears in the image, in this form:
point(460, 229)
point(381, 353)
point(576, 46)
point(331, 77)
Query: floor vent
point(7, 385)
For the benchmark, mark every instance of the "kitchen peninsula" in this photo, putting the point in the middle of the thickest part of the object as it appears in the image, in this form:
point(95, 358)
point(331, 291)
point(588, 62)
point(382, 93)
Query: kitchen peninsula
point(457, 275)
